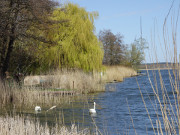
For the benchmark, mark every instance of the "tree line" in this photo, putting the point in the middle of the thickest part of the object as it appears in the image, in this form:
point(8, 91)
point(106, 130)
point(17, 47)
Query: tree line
point(37, 36)
point(118, 53)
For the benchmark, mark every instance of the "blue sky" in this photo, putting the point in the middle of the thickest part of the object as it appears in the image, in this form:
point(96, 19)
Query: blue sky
point(123, 16)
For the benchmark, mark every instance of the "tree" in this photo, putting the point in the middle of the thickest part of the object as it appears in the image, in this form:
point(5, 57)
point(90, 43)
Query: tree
point(16, 16)
point(77, 45)
point(113, 47)
point(135, 56)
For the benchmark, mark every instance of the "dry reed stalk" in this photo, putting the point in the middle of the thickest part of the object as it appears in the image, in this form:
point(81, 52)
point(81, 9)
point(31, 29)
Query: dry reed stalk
point(23, 126)
point(131, 117)
point(169, 108)
point(170, 118)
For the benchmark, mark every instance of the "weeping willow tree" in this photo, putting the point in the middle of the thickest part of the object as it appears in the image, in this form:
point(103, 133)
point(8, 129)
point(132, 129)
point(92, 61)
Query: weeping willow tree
point(77, 45)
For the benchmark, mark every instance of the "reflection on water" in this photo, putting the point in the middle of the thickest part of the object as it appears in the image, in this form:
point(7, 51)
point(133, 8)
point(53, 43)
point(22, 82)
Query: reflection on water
point(93, 114)
point(113, 116)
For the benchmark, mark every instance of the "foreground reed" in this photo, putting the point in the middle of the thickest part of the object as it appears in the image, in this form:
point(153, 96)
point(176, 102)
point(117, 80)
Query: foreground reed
point(166, 104)
point(166, 101)
point(23, 126)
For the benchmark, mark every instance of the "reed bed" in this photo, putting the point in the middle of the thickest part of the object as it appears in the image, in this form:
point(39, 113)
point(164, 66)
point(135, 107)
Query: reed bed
point(29, 97)
point(117, 73)
point(91, 82)
point(84, 82)
point(24, 126)
point(78, 81)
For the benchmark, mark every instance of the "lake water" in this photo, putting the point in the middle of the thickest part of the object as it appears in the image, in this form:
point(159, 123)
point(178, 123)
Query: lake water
point(113, 116)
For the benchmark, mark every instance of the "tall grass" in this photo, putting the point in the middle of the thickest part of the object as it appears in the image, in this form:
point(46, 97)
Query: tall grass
point(24, 126)
point(117, 73)
point(29, 97)
point(78, 81)
point(6, 95)
point(89, 82)
point(13, 100)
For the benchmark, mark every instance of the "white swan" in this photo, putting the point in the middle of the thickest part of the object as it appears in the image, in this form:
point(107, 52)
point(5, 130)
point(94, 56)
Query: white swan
point(37, 108)
point(93, 110)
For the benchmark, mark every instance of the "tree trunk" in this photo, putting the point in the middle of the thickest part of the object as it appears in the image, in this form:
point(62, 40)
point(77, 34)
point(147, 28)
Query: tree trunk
point(2, 58)
point(9, 51)
point(5, 62)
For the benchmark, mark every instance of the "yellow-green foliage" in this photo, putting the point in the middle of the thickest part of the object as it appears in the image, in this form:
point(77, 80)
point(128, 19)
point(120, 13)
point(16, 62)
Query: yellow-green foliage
point(77, 46)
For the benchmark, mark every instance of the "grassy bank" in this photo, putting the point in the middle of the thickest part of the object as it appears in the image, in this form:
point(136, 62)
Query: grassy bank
point(117, 73)
point(77, 81)
point(91, 82)
point(83, 82)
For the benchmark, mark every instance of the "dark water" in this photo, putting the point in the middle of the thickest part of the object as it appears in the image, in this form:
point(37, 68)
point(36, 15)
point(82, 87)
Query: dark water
point(113, 116)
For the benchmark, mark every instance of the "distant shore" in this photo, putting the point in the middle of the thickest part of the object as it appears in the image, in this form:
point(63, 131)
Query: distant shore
point(158, 66)
point(156, 69)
